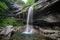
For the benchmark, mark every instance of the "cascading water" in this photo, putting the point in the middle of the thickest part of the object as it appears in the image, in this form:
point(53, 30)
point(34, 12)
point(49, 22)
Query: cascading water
point(29, 29)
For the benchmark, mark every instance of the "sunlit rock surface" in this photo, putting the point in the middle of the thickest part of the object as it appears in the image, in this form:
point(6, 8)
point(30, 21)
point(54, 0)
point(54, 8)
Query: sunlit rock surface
point(16, 7)
point(7, 30)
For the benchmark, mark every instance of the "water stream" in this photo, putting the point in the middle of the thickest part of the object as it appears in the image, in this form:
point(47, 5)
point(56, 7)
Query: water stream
point(29, 29)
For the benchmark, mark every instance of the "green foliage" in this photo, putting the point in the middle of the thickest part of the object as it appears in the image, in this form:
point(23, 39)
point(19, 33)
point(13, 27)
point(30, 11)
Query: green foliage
point(10, 21)
point(3, 6)
point(30, 2)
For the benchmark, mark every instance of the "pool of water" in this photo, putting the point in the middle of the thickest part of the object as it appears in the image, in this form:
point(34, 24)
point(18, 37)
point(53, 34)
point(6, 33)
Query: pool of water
point(21, 36)
point(25, 36)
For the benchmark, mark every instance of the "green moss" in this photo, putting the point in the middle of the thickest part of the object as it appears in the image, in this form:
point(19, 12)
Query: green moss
point(35, 7)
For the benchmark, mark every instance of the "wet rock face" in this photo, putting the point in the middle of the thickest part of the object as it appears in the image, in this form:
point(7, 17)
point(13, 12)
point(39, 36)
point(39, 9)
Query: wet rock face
point(51, 18)
point(45, 24)
point(52, 8)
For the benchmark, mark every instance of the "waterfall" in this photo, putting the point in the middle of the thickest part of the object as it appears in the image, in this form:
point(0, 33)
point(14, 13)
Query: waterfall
point(29, 29)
